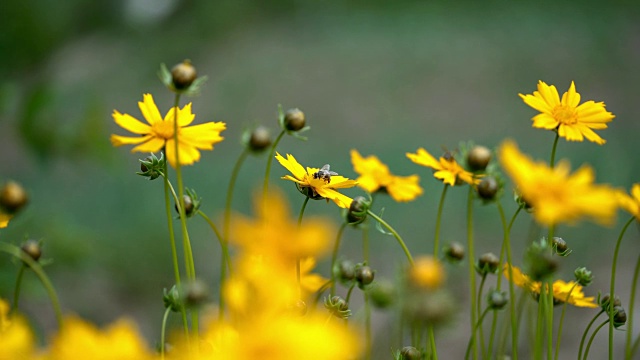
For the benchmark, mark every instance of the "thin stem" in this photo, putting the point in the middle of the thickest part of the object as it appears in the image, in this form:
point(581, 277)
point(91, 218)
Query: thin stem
point(436, 236)
point(553, 151)
point(612, 293)
point(483, 350)
point(564, 310)
point(472, 339)
point(298, 276)
point(472, 274)
point(223, 264)
point(632, 301)
point(593, 336)
point(37, 269)
point(586, 331)
point(432, 343)
point(395, 234)
point(16, 292)
point(349, 292)
point(162, 331)
point(542, 300)
point(172, 239)
point(227, 205)
point(549, 304)
point(320, 291)
point(367, 305)
point(635, 345)
point(265, 186)
point(334, 258)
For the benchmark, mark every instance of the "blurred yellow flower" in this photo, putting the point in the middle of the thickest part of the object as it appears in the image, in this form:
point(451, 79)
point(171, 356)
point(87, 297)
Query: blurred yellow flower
point(561, 289)
point(556, 195)
point(446, 168)
point(374, 176)
point(4, 220)
point(631, 203)
point(158, 134)
point(83, 341)
point(305, 179)
point(16, 338)
point(427, 272)
point(574, 122)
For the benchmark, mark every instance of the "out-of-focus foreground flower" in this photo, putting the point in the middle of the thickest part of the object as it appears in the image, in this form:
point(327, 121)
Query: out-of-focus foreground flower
point(16, 338)
point(631, 203)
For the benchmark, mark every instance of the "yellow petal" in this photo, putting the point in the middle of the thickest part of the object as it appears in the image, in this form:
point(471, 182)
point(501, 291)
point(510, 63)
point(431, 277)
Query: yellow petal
point(130, 123)
point(153, 145)
point(149, 109)
point(292, 165)
point(118, 140)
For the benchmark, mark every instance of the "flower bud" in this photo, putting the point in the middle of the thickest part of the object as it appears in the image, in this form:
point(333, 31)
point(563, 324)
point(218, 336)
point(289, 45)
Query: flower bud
point(488, 188)
point(364, 276)
point(294, 120)
point(345, 271)
point(497, 299)
point(560, 246)
point(152, 167)
point(188, 205)
point(604, 301)
point(410, 353)
point(12, 197)
point(478, 158)
point(487, 264)
point(454, 252)
point(426, 273)
point(337, 306)
point(172, 299)
point(432, 308)
point(383, 294)
point(33, 249)
point(583, 276)
point(357, 212)
point(191, 203)
point(619, 316)
point(196, 293)
point(260, 139)
point(183, 75)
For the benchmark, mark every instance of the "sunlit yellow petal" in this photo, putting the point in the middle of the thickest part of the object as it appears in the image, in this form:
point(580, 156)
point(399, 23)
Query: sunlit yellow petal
point(153, 145)
point(291, 164)
point(341, 200)
point(149, 109)
point(118, 140)
point(130, 123)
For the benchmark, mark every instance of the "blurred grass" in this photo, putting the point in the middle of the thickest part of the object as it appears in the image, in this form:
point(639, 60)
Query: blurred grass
point(385, 79)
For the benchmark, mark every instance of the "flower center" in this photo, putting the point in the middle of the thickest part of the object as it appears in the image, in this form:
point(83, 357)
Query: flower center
point(565, 115)
point(163, 129)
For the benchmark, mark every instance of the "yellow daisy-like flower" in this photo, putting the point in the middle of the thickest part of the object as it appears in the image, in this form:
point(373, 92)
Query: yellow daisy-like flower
point(374, 176)
point(556, 195)
point(561, 289)
point(427, 272)
point(446, 168)
point(574, 122)
point(158, 134)
point(16, 339)
point(631, 203)
point(318, 186)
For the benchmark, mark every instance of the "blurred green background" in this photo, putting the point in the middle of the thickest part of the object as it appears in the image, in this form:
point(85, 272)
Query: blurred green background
point(381, 77)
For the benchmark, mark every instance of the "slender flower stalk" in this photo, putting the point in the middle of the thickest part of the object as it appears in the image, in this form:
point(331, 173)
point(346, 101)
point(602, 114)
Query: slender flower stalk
point(436, 236)
point(632, 300)
point(265, 185)
point(298, 277)
point(395, 234)
point(586, 332)
point(472, 274)
point(16, 291)
point(162, 331)
point(224, 262)
point(593, 336)
point(334, 257)
point(367, 305)
point(564, 310)
point(227, 205)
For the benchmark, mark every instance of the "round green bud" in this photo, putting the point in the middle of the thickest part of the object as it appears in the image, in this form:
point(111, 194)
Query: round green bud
point(583, 276)
point(604, 301)
point(383, 294)
point(183, 75)
point(13, 197)
point(619, 316)
point(488, 264)
point(294, 120)
point(346, 271)
point(364, 276)
point(478, 158)
point(488, 188)
point(32, 248)
point(410, 353)
point(188, 205)
point(497, 299)
point(260, 139)
point(357, 210)
point(454, 252)
point(196, 293)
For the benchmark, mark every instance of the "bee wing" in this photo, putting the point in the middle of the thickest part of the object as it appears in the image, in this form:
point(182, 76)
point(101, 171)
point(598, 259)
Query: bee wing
point(325, 167)
point(333, 173)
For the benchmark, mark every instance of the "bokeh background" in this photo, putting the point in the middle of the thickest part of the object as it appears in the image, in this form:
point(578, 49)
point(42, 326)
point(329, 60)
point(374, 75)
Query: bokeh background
point(381, 77)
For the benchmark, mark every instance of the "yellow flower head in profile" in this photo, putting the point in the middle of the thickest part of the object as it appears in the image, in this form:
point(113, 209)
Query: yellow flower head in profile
point(427, 272)
point(561, 289)
point(158, 133)
point(631, 203)
point(374, 176)
point(574, 122)
point(81, 340)
point(446, 168)
point(556, 195)
point(16, 339)
point(320, 184)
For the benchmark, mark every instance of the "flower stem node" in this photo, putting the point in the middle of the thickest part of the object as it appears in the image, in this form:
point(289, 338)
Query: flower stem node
point(172, 299)
point(294, 120)
point(345, 271)
point(364, 276)
point(258, 139)
point(497, 299)
point(152, 167)
point(357, 212)
point(183, 75)
point(583, 276)
point(488, 188)
point(383, 294)
point(478, 158)
point(410, 353)
point(619, 316)
point(13, 197)
point(454, 252)
point(191, 203)
point(560, 246)
point(337, 306)
point(33, 248)
point(487, 264)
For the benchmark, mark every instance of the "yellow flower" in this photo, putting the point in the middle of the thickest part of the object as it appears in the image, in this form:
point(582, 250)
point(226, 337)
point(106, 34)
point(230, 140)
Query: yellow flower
point(16, 339)
point(318, 186)
point(374, 176)
point(427, 272)
point(561, 289)
point(555, 195)
point(574, 122)
point(4, 220)
point(631, 203)
point(158, 134)
point(81, 340)
point(445, 169)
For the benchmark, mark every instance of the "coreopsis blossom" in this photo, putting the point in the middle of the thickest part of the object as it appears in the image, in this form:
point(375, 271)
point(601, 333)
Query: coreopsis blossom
point(81, 340)
point(561, 289)
point(4, 220)
point(158, 133)
point(574, 122)
point(445, 169)
point(375, 176)
point(556, 195)
point(316, 186)
point(16, 338)
point(631, 203)
point(427, 272)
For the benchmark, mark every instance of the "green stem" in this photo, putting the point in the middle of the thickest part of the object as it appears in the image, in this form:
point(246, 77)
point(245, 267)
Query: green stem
point(593, 336)
point(632, 301)
point(542, 300)
point(334, 258)
point(162, 331)
point(586, 331)
point(227, 205)
point(553, 151)
point(16, 292)
point(172, 239)
point(483, 350)
point(472, 339)
point(298, 276)
point(265, 185)
point(432, 343)
point(395, 234)
point(367, 305)
point(564, 310)
point(612, 293)
point(549, 303)
point(226, 261)
point(472, 272)
point(635, 346)
point(436, 236)
point(37, 269)
point(320, 291)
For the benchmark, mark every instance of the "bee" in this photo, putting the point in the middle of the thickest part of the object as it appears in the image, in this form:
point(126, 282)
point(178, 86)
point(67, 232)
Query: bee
point(324, 173)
